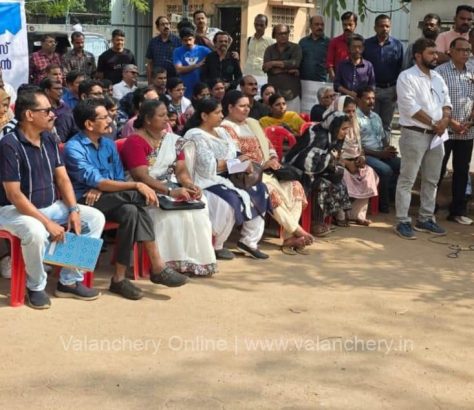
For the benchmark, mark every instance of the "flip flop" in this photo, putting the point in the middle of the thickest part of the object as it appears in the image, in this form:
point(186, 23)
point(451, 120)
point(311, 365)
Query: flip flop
point(363, 222)
point(302, 251)
point(288, 250)
point(343, 223)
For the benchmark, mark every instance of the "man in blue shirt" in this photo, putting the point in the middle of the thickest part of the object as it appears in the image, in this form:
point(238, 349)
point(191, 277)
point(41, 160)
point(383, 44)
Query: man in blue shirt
point(381, 156)
point(160, 49)
point(98, 178)
point(386, 55)
point(314, 49)
point(188, 60)
point(354, 72)
point(71, 92)
point(32, 174)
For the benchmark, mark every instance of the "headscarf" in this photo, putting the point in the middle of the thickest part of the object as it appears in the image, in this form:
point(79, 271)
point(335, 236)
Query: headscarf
point(336, 109)
point(5, 118)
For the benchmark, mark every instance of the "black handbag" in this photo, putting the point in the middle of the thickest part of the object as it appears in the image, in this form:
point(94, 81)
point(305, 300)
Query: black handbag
point(245, 180)
point(287, 173)
point(169, 204)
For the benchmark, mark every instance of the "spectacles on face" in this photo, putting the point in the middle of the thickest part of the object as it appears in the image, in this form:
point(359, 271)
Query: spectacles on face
point(133, 72)
point(251, 84)
point(282, 33)
point(46, 111)
point(97, 93)
point(102, 117)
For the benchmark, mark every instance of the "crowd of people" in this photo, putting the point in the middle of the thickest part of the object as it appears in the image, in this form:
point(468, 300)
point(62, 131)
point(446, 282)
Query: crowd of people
point(83, 143)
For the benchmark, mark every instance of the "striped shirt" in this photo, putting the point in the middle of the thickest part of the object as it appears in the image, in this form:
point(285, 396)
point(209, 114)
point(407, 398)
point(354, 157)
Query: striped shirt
point(461, 91)
point(32, 166)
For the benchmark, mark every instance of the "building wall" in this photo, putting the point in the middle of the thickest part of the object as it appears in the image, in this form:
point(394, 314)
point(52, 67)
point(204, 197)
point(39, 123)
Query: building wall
point(250, 8)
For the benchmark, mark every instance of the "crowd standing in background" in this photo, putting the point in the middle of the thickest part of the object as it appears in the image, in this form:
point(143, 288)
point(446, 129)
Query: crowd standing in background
point(83, 142)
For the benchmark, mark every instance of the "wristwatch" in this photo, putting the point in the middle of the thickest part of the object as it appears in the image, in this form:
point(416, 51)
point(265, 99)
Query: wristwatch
point(74, 208)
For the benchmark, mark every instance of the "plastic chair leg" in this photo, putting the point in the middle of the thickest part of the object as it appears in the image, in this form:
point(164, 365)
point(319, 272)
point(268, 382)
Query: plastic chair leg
point(374, 205)
point(18, 278)
point(306, 216)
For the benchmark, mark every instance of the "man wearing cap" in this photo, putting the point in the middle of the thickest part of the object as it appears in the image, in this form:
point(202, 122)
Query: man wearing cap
point(128, 83)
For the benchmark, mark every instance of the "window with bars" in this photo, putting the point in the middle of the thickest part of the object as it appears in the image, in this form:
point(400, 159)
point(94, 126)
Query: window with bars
point(284, 15)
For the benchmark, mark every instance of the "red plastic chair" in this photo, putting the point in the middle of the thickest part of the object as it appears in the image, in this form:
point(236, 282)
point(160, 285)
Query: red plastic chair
point(18, 274)
point(305, 126)
point(277, 136)
point(119, 144)
point(305, 116)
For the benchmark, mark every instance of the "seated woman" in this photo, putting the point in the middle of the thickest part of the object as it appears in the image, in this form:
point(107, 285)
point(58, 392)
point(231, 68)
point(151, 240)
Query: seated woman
point(209, 147)
point(200, 91)
point(360, 179)
point(138, 96)
point(318, 154)
point(287, 197)
point(326, 96)
point(149, 155)
point(175, 93)
point(280, 116)
point(217, 89)
point(266, 91)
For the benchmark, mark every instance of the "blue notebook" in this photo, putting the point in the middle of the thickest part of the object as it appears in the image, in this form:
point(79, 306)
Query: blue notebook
point(76, 252)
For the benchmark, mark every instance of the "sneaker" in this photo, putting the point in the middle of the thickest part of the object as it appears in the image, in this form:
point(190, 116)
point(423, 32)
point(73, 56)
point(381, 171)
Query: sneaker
point(224, 254)
point(169, 277)
point(37, 299)
point(6, 267)
point(126, 289)
point(430, 226)
point(79, 291)
point(462, 220)
point(253, 252)
point(404, 230)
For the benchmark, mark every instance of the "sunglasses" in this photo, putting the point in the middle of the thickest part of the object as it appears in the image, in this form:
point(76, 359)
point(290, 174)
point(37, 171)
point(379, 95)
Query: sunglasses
point(47, 111)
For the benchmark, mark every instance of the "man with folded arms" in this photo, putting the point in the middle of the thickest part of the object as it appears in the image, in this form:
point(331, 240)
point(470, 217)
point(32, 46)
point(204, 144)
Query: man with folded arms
point(425, 112)
point(460, 82)
point(128, 83)
point(99, 180)
point(32, 174)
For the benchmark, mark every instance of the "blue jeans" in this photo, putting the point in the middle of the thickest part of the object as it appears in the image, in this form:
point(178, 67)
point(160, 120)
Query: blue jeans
point(387, 170)
point(34, 238)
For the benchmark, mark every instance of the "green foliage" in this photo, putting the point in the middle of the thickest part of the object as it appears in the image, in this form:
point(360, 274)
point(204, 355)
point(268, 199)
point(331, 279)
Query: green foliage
point(334, 6)
point(58, 8)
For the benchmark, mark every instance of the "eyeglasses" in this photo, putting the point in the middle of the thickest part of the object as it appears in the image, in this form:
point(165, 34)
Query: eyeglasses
point(102, 117)
point(251, 84)
point(46, 111)
point(133, 72)
point(97, 93)
point(282, 33)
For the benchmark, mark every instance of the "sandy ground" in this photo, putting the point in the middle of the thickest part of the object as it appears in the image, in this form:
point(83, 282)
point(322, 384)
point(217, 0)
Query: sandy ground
point(368, 320)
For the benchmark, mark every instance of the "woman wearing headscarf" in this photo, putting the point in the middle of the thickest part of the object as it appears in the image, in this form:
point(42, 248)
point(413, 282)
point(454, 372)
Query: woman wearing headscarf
point(318, 154)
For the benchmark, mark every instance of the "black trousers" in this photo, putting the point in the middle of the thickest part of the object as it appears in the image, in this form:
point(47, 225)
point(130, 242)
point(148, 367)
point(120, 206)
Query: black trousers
point(462, 153)
point(127, 208)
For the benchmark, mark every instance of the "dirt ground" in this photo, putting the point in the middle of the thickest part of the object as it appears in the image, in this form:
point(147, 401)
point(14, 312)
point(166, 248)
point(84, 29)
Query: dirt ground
point(368, 320)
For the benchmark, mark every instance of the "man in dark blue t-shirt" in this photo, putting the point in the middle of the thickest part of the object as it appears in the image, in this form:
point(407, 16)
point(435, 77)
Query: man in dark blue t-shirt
point(32, 174)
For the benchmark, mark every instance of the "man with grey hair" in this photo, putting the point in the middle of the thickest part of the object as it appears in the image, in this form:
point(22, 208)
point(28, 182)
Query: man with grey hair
point(326, 95)
point(281, 62)
point(314, 49)
point(128, 83)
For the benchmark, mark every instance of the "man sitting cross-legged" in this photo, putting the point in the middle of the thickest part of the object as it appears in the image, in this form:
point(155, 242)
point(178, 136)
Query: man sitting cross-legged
point(99, 180)
point(32, 173)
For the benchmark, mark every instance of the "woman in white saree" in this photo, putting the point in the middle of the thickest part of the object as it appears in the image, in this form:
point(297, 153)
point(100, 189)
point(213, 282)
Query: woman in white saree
point(150, 156)
point(211, 147)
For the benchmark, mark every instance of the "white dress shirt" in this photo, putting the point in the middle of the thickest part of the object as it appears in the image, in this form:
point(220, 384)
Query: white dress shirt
point(121, 89)
point(417, 91)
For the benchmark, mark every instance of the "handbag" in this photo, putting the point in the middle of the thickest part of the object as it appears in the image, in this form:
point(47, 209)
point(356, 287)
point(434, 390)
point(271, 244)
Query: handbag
point(245, 180)
point(287, 173)
point(169, 204)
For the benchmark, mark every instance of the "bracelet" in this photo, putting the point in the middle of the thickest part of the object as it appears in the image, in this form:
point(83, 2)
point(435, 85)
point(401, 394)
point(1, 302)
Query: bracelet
point(74, 208)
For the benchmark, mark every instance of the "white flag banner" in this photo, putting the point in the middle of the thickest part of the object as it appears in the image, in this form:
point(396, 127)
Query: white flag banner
point(309, 93)
point(13, 42)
